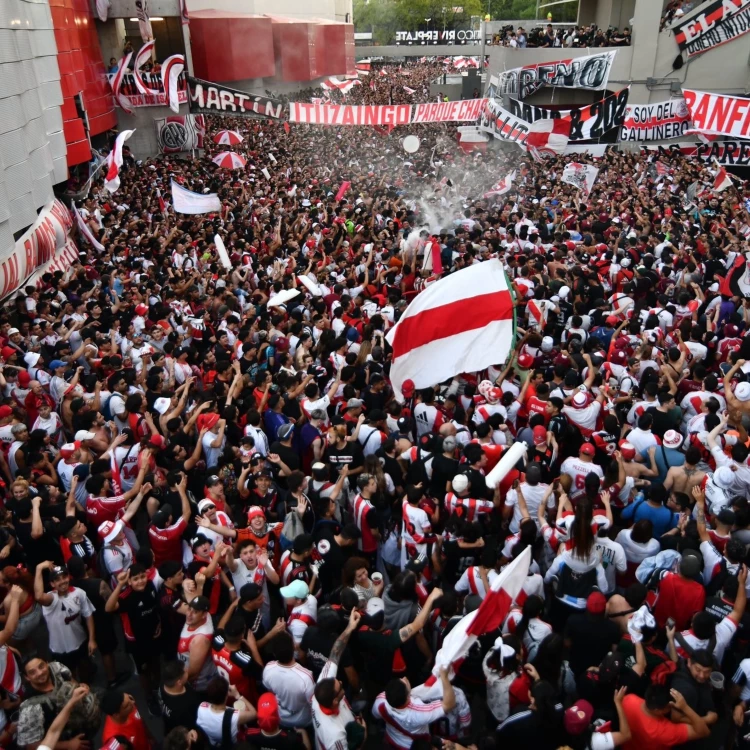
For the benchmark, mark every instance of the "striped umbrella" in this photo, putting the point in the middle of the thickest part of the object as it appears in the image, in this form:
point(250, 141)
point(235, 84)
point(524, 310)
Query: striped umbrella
point(228, 137)
point(230, 160)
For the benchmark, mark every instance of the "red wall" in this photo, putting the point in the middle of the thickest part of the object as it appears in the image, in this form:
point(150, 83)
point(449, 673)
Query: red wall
point(229, 47)
point(333, 58)
point(81, 72)
point(295, 50)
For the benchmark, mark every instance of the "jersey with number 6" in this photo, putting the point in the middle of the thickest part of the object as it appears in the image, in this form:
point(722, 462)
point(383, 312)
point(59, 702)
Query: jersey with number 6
point(578, 470)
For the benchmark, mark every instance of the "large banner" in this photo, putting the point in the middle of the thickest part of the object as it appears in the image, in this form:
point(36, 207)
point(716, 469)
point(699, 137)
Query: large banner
point(590, 72)
point(586, 123)
point(717, 114)
point(498, 122)
point(179, 133)
point(43, 244)
point(133, 97)
point(386, 114)
point(215, 99)
point(726, 153)
point(718, 22)
point(447, 36)
point(656, 122)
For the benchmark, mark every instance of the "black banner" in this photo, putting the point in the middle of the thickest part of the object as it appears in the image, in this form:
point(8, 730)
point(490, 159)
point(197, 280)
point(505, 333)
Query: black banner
point(590, 123)
point(719, 22)
point(214, 99)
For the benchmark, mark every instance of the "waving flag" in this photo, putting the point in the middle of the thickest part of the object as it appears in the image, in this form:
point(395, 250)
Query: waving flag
point(186, 201)
point(502, 187)
point(581, 176)
point(114, 159)
point(736, 283)
point(122, 68)
point(170, 73)
point(343, 86)
point(722, 180)
point(462, 323)
point(102, 9)
point(491, 614)
point(547, 137)
point(143, 56)
point(410, 91)
point(83, 228)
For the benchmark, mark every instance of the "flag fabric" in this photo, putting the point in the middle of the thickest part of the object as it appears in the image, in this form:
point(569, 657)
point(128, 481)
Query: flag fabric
point(184, 17)
point(410, 91)
point(343, 86)
point(122, 68)
point(722, 180)
point(547, 137)
point(83, 228)
point(170, 74)
point(345, 185)
point(462, 323)
point(582, 176)
point(144, 20)
point(489, 616)
point(114, 159)
point(102, 9)
point(186, 201)
point(222, 252)
point(503, 186)
point(287, 128)
point(142, 57)
point(736, 283)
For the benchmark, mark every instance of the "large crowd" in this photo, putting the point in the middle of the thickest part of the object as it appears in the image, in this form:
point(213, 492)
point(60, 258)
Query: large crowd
point(206, 468)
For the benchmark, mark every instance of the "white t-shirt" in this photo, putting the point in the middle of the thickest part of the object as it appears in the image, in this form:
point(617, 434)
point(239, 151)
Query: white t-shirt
point(635, 552)
point(613, 560)
point(211, 722)
point(299, 619)
point(330, 729)
point(65, 620)
point(578, 470)
point(212, 454)
point(533, 495)
point(293, 687)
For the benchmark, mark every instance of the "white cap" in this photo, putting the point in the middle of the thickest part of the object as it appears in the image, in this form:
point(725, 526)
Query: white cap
point(672, 439)
point(742, 392)
point(580, 399)
point(84, 435)
point(547, 344)
point(162, 404)
point(625, 262)
point(31, 358)
point(460, 483)
point(723, 477)
point(116, 529)
point(563, 292)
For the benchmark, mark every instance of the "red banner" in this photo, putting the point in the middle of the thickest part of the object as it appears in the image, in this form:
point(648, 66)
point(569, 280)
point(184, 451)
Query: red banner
point(717, 114)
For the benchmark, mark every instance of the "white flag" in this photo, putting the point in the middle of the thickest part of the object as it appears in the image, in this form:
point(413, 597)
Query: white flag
point(582, 176)
point(144, 20)
point(143, 56)
point(503, 186)
point(102, 9)
point(114, 159)
point(185, 201)
point(266, 173)
point(83, 227)
point(222, 250)
point(170, 72)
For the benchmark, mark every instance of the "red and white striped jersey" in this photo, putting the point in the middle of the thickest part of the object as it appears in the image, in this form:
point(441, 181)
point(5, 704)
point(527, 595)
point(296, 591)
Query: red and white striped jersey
point(483, 412)
point(417, 528)
point(361, 507)
point(472, 508)
point(471, 582)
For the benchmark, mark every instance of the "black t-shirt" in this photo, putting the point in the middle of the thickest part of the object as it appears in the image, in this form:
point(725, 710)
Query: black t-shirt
point(592, 638)
point(179, 710)
point(333, 556)
point(286, 739)
point(253, 621)
point(288, 455)
point(350, 455)
point(37, 550)
point(443, 470)
point(458, 560)
point(142, 618)
point(663, 421)
point(525, 729)
point(317, 645)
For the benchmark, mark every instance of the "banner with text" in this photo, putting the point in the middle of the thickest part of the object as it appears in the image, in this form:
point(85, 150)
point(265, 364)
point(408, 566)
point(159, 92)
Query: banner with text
point(726, 153)
point(590, 72)
point(42, 244)
point(129, 90)
point(717, 114)
point(718, 22)
point(656, 122)
point(215, 99)
point(498, 122)
point(386, 114)
point(586, 123)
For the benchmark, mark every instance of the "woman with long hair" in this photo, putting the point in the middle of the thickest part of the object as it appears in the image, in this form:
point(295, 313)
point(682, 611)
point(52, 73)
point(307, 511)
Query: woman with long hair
point(356, 575)
point(527, 625)
point(500, 666)
point(541, 726)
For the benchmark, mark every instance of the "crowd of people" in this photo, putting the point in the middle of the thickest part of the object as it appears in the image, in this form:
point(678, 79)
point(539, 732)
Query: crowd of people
point(567, 36)
point(206, 467)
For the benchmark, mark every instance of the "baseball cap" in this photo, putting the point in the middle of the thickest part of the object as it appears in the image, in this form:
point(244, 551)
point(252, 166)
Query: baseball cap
point(6, 411)
point(199, 603)
point(141, 309)
point(249, 592)
point(723, 477)
point(157, 441)
point(578, 717)
point(53, 365)
point(31, 358)
point(540, 435)
point(295, 590)
point(198, 540)
point(82, 435)
point(628, 450)
point(672, 439)
point(268, 712)
point(580, 399)
point(525, 361)
point(285, 431)
point(587, 449)
point(24, 378)
point(375, 605)
point(460, 483)
point(742, 392)
point(161, 517)
point(596, 603)
point(69, 449)
point(611, 666)
point(612, 320)
point(162, 404)
point(11, 331)
point(109, 530)
point(56, 571)
point(205, 504)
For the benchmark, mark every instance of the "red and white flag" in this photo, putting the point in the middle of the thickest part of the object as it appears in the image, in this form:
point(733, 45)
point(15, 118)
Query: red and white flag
point(462, 323)
point(122, 68)
point(114, 159)
point(83, 228)
point(142, 57)
point(410, 91)
point(547, 138)
point(488, 617)
point(722, 180)
point(503, 186)
point(343, 86)
point(170, 74)
point(581, 176)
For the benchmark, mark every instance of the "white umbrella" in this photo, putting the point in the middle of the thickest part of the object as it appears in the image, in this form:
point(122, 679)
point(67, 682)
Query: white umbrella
point(228, 138)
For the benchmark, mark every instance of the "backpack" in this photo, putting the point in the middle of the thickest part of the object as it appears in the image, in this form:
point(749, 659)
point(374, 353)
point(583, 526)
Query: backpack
point(662, 674)
point(291, 529)
point(101, 565)
point(717, 582)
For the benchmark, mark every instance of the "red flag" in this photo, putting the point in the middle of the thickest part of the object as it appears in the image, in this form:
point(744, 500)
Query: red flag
point(162, 205)
point(287, 128)
point(345, 185)
point(722, 180)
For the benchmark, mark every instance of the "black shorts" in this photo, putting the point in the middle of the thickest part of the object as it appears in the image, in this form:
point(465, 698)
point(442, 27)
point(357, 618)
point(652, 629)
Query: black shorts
point(71, 659)
point(143, 655)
